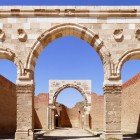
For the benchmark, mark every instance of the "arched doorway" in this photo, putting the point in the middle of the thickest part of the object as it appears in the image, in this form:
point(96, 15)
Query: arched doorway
point(69, 106)
point(39, 47)
point(56, 86)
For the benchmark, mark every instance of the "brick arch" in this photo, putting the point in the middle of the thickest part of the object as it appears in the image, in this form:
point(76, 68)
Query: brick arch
point(68, 29)
point(10, 55)
point(129, 55)
point(83, 86)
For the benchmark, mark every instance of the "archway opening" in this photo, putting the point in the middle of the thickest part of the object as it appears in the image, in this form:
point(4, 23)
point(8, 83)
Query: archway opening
point(71, 94)
point(66, 58)
point(8, 74)
point(131, 99)
point(69, 108)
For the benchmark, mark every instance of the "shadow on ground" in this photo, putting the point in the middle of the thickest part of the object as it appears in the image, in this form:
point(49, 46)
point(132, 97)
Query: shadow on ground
point(131, 137)
point(7, 137)
point(41, 137)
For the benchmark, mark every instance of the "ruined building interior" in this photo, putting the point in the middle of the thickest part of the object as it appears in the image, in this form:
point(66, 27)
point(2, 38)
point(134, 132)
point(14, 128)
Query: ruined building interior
point(70, 117)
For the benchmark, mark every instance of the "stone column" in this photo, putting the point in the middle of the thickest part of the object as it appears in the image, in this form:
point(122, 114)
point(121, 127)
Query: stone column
point(25, 114)
point(49, 118)
point(53, 118)
point(86, 120)
point(112, 111)
point(86, 117)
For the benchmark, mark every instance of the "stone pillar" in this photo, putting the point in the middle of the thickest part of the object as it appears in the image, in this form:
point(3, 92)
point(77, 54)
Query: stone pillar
point(25, 114)
point(112, 112)
point(86, 117)
point(49, 118)
point(86, 120)
point(53, 118)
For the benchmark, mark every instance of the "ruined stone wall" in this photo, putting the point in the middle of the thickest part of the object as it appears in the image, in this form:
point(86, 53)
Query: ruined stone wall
point(96, 113)
point(131, 105)
point(63, 117)
point(41, 104)
point(75, 114)
point(70, 117)
point(130, 109)
point(7, 106)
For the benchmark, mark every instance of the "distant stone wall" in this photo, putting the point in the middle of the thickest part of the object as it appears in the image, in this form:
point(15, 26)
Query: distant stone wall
point(41, 105)
point(75, 114)
point(131, 105)
point(63, 117)
point(70, 117)
point(7, 106)
point(96, 114)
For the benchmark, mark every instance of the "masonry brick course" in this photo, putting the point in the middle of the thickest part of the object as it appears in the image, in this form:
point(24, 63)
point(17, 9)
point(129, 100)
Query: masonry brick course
point(96, 112)
point(7, 106)
point(41, 105)
point(131, 105)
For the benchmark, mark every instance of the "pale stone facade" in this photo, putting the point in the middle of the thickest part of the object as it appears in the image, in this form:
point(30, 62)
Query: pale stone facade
point(113, 32)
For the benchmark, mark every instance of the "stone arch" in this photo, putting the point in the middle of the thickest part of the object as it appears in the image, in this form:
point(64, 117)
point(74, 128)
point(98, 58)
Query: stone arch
point(129, 55)
point(70, 86)
point(83, 86)
point(56, 86)
point(10, 55)
point(68, 29)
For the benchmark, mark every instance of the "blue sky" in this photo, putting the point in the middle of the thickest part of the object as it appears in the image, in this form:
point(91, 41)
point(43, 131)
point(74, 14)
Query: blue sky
point(70, 2)
point(69, 57)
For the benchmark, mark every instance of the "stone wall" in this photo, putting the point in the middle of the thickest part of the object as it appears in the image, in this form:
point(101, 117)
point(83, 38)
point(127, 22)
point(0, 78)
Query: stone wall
point(7, 106)
point(131, 105)
point(63, 117)
point(70, 117)
point(75, 114)
point(96, 113)
point(41, 105)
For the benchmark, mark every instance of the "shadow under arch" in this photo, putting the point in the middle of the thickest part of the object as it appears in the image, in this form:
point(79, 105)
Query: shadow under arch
point(86, 100)
point(68, 29)
point(8, 54)
point(129, 55)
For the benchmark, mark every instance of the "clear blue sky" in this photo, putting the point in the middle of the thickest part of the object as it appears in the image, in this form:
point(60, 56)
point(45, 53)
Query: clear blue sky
point(69, 2)
point(69, 57)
